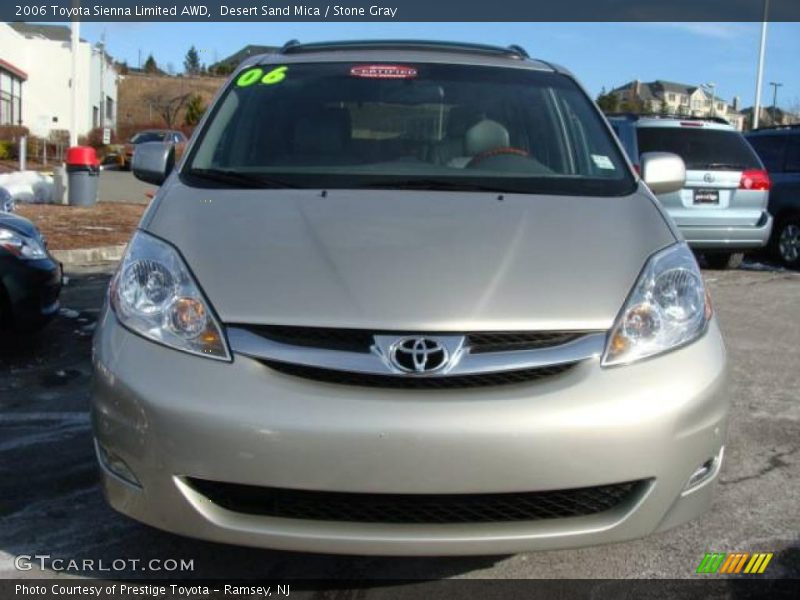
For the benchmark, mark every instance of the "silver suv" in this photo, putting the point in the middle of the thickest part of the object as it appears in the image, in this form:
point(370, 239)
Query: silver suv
point(408, 298)
point(722, 209)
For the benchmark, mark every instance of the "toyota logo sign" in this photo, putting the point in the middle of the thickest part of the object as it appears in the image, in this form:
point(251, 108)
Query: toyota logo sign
point(418, 355)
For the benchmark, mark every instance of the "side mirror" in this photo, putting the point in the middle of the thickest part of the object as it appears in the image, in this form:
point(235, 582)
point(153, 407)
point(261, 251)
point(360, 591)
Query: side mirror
point(663, 172)
point(153, 161)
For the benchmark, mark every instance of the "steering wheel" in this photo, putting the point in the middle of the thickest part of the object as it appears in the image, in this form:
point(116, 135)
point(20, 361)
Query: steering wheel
point(496, 152)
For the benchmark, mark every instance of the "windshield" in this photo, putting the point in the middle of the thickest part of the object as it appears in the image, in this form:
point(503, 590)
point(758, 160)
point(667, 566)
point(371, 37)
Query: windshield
point(703, 149)
point(420, 126)
point(149, 136)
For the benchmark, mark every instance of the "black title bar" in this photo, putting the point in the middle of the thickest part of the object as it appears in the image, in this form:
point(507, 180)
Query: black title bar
point(401, 10)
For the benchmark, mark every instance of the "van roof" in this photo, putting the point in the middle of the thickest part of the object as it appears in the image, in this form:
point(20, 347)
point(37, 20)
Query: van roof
point(404, 51)
point(659, 120)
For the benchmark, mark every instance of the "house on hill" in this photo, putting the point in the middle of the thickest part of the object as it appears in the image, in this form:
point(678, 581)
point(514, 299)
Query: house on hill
point(679, 99)
point(229, 64)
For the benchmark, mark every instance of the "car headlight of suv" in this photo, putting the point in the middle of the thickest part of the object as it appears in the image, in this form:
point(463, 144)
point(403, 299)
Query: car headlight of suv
point(21, 246)
point(154, 294)
point(668, 307)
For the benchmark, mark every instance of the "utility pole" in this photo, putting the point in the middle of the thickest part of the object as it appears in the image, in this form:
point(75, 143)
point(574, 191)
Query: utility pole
point(75, 36)
point(760, 73)
point(711, 86)
point(102, 81)
point(775, 86)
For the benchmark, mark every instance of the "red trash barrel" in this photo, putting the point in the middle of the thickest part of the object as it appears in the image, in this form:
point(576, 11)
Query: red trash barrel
point(83, 173)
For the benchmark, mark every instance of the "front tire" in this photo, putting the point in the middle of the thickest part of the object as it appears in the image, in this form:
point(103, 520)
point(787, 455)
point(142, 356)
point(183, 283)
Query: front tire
point(786, 242)
point(721, 261)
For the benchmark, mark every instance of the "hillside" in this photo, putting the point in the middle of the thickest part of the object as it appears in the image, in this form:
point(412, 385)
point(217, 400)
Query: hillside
point(146, 99)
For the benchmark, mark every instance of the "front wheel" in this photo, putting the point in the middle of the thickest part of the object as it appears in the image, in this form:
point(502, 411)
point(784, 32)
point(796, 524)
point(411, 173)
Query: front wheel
point(724, 260)
point(786, 242)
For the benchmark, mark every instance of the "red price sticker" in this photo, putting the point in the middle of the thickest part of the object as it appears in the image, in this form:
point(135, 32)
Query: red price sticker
point(383, 72)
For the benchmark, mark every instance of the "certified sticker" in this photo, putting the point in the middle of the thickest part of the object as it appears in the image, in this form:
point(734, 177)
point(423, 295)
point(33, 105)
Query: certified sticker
point(383, 72)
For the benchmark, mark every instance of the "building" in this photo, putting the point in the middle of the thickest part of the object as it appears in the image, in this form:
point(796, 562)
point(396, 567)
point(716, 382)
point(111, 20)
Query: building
point(229, 64)
point(35, 80)
point(769, 116)
point(676, 98)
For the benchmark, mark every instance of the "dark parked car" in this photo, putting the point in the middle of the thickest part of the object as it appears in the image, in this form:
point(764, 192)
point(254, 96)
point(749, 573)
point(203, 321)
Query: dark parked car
point(779, 149)
point(30, 278)
point(150, 135)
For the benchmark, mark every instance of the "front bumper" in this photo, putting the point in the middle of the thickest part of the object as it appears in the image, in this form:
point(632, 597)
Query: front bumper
point(31, 289)
point(730, 239)
point(170, 416)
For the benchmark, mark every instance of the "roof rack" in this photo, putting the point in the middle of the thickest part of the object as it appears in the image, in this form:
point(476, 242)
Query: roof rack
point(631, 115)
point(295, 47)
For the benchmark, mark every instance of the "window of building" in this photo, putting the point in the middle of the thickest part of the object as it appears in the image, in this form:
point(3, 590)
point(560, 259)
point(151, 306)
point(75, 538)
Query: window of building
point(671, 97)
point(109, 109)
point(95, 117)
point(10, 96)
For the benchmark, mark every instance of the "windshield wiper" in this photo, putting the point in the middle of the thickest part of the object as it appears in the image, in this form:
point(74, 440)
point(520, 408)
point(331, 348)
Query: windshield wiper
point(238, 178)
point(438, 185)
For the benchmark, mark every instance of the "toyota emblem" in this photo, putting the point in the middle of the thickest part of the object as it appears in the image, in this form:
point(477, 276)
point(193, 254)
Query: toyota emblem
point(708, 177)
point(418, 355)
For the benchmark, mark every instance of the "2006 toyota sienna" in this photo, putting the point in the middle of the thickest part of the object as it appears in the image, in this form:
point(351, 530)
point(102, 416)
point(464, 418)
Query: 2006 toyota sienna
point(407, 298)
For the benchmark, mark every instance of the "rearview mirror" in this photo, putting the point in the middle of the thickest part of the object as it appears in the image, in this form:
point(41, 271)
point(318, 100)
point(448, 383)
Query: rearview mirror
point(663, 172)
point(153, 161)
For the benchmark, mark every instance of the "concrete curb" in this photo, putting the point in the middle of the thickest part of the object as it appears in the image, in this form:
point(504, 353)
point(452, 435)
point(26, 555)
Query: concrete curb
point(85, 256)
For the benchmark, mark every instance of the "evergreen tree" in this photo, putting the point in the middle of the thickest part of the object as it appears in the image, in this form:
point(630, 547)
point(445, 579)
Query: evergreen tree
point(191, 64)
point(194, 110)
point(150, 65)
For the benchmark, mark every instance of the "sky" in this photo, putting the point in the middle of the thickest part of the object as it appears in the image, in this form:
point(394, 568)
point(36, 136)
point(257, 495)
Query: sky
point(599, 54)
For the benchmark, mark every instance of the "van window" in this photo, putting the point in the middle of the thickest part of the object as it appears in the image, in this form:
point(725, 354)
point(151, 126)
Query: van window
point(770, 149)
point(793, 154)
point(411, 126)
point(700, 148)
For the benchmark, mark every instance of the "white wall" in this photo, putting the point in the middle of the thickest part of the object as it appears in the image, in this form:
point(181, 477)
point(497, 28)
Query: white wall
point(46, 95)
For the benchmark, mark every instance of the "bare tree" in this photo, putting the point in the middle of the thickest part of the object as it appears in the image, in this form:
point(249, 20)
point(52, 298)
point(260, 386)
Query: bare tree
point(167, 105)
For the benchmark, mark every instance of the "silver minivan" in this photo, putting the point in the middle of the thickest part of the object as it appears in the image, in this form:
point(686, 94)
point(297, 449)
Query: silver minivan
point(722, 209)
point(408, 298)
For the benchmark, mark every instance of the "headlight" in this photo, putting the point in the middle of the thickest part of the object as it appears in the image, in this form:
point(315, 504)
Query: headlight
point(668, 308)
point(20, 245)
point(154, 295)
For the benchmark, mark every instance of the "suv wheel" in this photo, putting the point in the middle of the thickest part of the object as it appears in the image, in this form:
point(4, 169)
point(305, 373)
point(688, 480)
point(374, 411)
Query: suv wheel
point(786, 242)
point(719, 261)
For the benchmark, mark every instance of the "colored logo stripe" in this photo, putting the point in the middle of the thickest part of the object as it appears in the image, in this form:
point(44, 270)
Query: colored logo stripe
point(711, 562)
point(720, 562)
point(758, 563)
point(734, 562)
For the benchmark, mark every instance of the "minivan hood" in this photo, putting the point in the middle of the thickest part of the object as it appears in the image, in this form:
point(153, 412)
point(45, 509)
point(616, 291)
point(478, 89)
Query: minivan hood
point(411, 260)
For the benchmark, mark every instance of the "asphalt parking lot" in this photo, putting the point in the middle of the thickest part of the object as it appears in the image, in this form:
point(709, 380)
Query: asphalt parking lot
point(50, 502)
point(121, 186)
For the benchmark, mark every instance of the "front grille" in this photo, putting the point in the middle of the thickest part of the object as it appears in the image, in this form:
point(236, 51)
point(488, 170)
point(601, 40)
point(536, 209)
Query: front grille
point(351, 340)
point(417, 508)
point(413, 382)
point(502, 341)
point(360, 340)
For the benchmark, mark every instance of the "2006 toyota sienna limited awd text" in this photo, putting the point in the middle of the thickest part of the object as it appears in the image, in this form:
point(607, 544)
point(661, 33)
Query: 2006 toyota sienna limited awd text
point(407, 298)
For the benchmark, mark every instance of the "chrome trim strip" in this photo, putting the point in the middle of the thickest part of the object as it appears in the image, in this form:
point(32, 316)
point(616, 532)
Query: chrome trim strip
point(463, 363)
